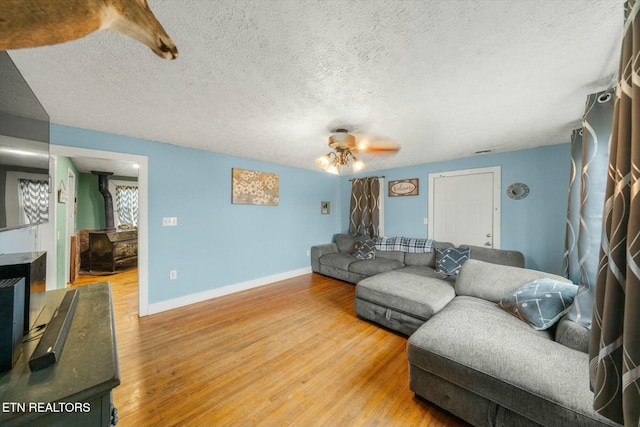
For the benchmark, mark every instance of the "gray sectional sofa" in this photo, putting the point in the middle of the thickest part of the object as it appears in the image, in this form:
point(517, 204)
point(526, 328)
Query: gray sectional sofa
point(336, 259)
point(466, 354)
point(398, 290)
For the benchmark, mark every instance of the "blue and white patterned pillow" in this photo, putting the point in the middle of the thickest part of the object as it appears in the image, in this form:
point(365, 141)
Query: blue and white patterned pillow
point(449, 260)
point(365, 249)
point(540, 303)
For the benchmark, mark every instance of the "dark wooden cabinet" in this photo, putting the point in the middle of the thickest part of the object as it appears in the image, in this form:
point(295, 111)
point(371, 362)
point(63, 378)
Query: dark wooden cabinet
point(76, 390)
point(33, 267)
point(111, 251)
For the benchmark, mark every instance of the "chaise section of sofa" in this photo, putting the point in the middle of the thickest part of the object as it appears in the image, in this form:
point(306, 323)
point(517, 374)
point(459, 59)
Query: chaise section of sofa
point(403, 299)
point(490, 368)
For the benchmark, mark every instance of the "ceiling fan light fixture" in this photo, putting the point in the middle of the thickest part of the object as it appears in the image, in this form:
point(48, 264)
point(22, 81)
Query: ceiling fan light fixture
point(345, 144)
point(341, 138)
point(334, 160)
point(324, 161)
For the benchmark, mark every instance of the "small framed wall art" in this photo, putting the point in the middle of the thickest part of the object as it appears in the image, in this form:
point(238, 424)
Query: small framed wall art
point(403, 187)
point(254, 188)
point(63, 196)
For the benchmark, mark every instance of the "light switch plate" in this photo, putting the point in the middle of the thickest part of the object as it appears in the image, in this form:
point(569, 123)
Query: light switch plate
point(169, 221)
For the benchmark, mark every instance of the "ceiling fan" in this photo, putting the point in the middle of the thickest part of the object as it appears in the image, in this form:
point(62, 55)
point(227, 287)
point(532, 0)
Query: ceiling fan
point(346, 144)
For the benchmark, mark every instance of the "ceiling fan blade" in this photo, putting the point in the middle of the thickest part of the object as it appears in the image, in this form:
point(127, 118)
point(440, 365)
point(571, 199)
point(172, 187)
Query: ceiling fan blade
point(373, 149)
point(372, 145)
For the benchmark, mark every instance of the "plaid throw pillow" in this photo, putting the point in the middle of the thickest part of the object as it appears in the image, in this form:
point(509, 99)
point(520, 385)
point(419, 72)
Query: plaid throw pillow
point(404, 244)
point(389, 243)
point(417, 246)
point(365, 249)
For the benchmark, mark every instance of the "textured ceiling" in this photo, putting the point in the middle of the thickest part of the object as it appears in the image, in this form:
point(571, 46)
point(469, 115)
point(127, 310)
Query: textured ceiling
point(117, 167)
point(268, 80)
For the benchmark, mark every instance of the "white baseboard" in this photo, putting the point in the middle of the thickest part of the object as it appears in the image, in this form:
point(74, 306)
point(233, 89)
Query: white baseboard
point(226, 290)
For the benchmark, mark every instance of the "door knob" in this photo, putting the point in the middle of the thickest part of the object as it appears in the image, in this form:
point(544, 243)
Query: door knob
point(487, 244)
point(488, 234)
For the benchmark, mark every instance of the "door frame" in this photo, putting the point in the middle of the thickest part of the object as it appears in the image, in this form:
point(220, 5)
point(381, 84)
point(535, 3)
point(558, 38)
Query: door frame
point(70, 221)
point(143, 214)
point(497, 182)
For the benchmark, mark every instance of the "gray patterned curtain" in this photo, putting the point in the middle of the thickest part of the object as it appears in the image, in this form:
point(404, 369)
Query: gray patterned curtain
point(35, 200)
point(570, 267)
point(615, 335)
point(365, 207)
point(127, 205)
point(590, 155)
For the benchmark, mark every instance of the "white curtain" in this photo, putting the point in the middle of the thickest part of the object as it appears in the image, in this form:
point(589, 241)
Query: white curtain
point(35, 200)
point(127, 205)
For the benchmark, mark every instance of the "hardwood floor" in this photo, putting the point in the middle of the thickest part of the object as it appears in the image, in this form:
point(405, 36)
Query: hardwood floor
point(288, 354)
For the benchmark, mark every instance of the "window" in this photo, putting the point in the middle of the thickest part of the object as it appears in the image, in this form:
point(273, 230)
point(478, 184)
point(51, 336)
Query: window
point(34, 201)
point(125, 203)
point(127, 206)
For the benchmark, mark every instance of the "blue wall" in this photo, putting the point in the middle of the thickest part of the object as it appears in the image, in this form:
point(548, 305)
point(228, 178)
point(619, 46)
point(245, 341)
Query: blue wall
point(216, 243)
point(534, 225)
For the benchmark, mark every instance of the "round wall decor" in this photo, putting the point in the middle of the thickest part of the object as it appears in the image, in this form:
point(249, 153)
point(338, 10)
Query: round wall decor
point(518, 191)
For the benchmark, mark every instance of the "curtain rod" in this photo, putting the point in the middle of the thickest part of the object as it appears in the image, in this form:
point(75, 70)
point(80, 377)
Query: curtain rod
point(369, 177)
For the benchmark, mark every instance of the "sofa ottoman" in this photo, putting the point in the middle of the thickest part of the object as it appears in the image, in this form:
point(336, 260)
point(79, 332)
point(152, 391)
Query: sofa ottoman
point(402, 301)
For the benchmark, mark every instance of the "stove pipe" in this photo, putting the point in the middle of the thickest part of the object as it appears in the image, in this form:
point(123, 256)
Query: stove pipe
point(103, 187)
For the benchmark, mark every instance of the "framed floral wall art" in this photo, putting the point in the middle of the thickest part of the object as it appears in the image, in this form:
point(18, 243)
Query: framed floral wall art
point(254, 188)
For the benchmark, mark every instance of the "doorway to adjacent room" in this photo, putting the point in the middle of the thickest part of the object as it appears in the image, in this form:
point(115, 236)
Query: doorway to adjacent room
point(142, 261)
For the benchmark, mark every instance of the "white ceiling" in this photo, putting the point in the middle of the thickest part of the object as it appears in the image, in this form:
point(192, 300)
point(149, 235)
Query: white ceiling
point(268, 80)
point(117, 167)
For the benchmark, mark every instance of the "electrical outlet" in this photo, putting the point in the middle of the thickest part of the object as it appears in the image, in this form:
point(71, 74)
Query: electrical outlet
point(173, 274)
point(308, 252)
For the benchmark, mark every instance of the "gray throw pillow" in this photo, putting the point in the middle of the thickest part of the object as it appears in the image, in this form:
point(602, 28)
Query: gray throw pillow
point(540, 303)
point(365, 249)
point(449, 260)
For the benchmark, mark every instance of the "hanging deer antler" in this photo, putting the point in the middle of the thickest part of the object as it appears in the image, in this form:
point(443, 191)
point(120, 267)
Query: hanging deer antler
point(31, 23)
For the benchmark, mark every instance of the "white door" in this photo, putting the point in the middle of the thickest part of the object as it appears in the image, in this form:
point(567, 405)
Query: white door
point(464, 207)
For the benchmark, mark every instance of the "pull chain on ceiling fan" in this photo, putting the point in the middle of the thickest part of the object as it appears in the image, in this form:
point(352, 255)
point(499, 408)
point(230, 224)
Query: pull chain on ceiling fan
point(344, 145)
